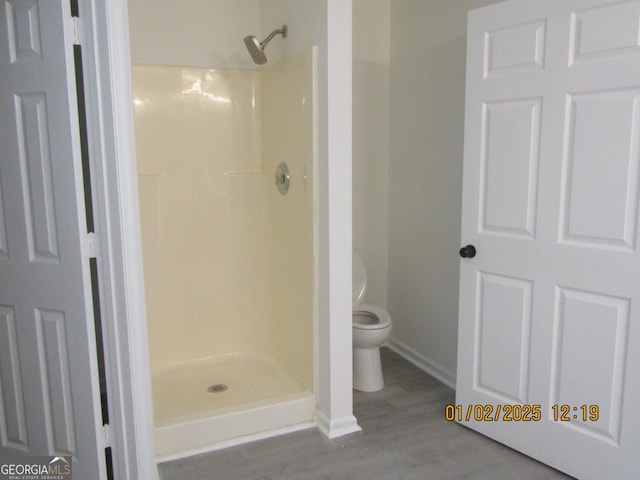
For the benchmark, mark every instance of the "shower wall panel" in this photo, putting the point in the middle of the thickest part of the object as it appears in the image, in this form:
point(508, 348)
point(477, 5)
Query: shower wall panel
point(288, 126)
point(197, 132)
point(229, 261)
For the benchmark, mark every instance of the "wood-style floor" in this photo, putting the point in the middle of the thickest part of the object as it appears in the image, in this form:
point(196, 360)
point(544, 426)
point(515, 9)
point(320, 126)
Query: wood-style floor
point(404, 437)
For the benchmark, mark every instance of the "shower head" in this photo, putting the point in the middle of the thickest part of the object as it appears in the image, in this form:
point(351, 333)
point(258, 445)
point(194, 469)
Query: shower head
point(256, 48)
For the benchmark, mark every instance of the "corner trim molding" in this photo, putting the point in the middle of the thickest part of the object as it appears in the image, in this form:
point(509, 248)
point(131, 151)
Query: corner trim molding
point(424, 363)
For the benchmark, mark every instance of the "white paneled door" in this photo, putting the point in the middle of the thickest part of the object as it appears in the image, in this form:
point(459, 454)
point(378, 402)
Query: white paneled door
point(549, 328)
point(49, 390)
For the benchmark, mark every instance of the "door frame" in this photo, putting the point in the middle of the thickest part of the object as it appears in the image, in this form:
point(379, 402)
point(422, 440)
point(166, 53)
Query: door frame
point(105, 52)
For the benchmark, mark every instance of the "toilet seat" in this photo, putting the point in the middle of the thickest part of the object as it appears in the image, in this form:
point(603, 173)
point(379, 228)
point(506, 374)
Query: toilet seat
point(381, 316)
point(358, 279)
point(370, 328)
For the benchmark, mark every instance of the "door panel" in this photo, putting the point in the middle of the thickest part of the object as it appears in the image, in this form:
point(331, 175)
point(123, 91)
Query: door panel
point(509, 169)
point(504, 375)
point(35, 166)
point(519, 47)
point(14, 425)
point(604, 30)
point(550, 305)
point(48, 368)
point(588, 322)
point(601, 197)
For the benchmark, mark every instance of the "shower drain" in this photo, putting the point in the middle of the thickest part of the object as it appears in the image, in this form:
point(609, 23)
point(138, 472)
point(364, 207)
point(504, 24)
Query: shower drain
point(217, 388)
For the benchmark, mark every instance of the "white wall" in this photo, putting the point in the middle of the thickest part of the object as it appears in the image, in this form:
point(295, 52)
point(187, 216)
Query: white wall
point(197, 33)
point(428, 49)
point(305, 20)
point(371, 58)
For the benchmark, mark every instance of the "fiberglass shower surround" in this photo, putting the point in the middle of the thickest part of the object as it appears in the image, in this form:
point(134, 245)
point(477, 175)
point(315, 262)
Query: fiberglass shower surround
point(208, 142)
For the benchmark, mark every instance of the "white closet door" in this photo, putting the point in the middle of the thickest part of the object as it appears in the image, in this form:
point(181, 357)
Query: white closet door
point(549, 327)
point(48, 370)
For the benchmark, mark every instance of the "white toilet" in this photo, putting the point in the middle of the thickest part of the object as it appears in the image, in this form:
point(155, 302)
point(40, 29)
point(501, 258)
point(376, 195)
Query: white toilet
point(371, 328)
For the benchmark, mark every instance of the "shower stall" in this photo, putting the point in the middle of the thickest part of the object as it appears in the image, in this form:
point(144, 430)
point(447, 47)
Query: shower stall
point(229, 259)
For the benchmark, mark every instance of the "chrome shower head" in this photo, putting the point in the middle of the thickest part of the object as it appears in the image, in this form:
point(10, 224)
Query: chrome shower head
point(256, 48)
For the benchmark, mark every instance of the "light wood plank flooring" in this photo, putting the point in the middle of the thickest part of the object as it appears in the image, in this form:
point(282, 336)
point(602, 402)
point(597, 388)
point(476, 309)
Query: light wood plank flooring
point(404, 437)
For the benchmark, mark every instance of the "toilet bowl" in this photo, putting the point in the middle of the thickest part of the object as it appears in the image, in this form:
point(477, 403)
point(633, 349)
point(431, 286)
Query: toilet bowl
point(371, 327)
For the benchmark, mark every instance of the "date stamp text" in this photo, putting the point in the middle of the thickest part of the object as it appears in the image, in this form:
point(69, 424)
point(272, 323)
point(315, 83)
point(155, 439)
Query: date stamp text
point(520, 413)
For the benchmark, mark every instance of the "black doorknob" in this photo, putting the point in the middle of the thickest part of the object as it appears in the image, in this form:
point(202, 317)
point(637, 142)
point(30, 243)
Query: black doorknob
point(468, 252)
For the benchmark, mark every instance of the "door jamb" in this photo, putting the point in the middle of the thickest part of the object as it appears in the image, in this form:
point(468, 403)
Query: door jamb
point(112, 152)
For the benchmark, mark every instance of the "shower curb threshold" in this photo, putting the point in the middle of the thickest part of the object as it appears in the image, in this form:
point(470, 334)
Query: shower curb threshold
point(235, 442)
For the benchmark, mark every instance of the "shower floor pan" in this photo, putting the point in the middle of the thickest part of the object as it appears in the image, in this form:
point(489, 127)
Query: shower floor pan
point(202, 403)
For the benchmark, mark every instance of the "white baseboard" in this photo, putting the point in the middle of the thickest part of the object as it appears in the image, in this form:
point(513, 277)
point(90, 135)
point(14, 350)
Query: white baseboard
point(337, 427)
point(425, 364)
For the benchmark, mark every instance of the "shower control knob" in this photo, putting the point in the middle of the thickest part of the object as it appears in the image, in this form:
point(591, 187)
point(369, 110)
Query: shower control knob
point(283, 178)
point(468, 252)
